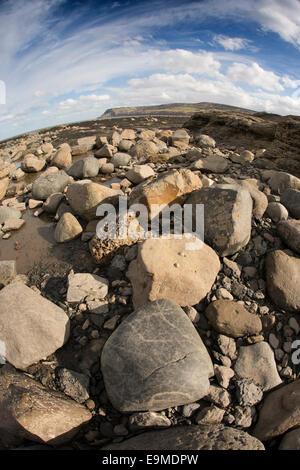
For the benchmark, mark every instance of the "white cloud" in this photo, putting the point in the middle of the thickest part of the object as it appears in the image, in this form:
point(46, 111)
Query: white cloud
point(231, 44)
point(254, 75)
point(94, 98)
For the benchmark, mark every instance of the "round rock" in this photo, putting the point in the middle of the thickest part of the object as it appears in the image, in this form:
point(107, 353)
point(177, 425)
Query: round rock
point(155, 359)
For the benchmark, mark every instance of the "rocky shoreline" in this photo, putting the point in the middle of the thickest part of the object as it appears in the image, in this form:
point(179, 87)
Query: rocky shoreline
point(143, 344)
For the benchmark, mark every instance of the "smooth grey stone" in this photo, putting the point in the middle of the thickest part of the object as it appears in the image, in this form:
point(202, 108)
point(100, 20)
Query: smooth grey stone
point(155, 359)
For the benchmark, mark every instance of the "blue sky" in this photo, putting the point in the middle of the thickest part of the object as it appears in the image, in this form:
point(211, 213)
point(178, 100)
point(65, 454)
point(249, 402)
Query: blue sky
point(64, 61)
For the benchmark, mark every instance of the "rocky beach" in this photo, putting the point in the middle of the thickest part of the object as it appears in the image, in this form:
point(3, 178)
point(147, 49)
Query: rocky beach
point(143, 344)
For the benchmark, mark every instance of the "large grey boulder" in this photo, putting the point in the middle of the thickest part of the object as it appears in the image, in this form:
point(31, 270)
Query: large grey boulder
point(31, 327)
point(155, 359)
point(227, 216)
point(29, 411)
point(84, 197)
point(202, 437)
point(48, 184)
point(84, 168)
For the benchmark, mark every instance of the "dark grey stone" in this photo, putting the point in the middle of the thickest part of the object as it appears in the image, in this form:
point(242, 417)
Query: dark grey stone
point(155, 359)
point(44, 186)
point(227, 217)
point(291, 200)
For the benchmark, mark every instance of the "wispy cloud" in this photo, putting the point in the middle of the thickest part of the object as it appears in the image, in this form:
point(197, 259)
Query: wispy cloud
point(60, 66)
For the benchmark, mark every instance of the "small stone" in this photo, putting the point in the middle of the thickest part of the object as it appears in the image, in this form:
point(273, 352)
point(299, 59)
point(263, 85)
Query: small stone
point(148, 419)
point(210, 415)
point(74, 384)
point(248, 393)
point(82, 285)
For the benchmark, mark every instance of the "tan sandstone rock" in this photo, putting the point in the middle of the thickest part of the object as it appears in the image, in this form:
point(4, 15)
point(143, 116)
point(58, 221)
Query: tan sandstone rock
point(165, 269)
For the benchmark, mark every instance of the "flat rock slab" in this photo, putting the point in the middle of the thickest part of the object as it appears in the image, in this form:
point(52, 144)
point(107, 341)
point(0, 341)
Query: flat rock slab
point(30, 411)
point(202, 437)
point(227, 216)
point(286, 402)
point(155, 359)
point(31, 327)
point(232, 319)
point(82, 285)
point(283, 279)
point(257, 363)
point(166, 269)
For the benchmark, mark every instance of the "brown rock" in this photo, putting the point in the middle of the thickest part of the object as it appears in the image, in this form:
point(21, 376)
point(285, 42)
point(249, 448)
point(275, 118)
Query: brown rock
point(289, 232)
point(62, 158)
point(232, 319)
point(166, 269)
point(286, 402)
point(67, 228)
point(30, 411)
point(3, 187)
point(170, 188)
point(283, 279)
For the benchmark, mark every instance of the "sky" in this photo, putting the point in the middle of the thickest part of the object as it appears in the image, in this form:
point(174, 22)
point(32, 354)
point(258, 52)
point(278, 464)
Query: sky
point(66, 61)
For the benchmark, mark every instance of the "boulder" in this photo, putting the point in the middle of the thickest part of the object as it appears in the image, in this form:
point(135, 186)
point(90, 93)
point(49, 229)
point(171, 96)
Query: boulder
point(3, 187)
point(257, 363)
point(139, 173)
point(169, 188)
point(120, 159)
point(283, 278)
point(143, 149)
point(227, 216)
point(276, 211)
point(279, 181)
point(48, 184)
point(31, 326)
point(232, 319)
point(201, 437)
point(87, 142)
point(84, 197)
point(7, 213)
point(180, 136)
point(286, 402)
point(125, 145)
point(67, 228)
point(289, 232)
point(52, 202)
point(106, 150)
point(204, 140)
point(32, 164)
point(291, 200)
point(29, 411)
point(62, 159)
point(85, 168)
point(166, 269)
point(140, 376)
point(212, 163)
point(128, 134)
